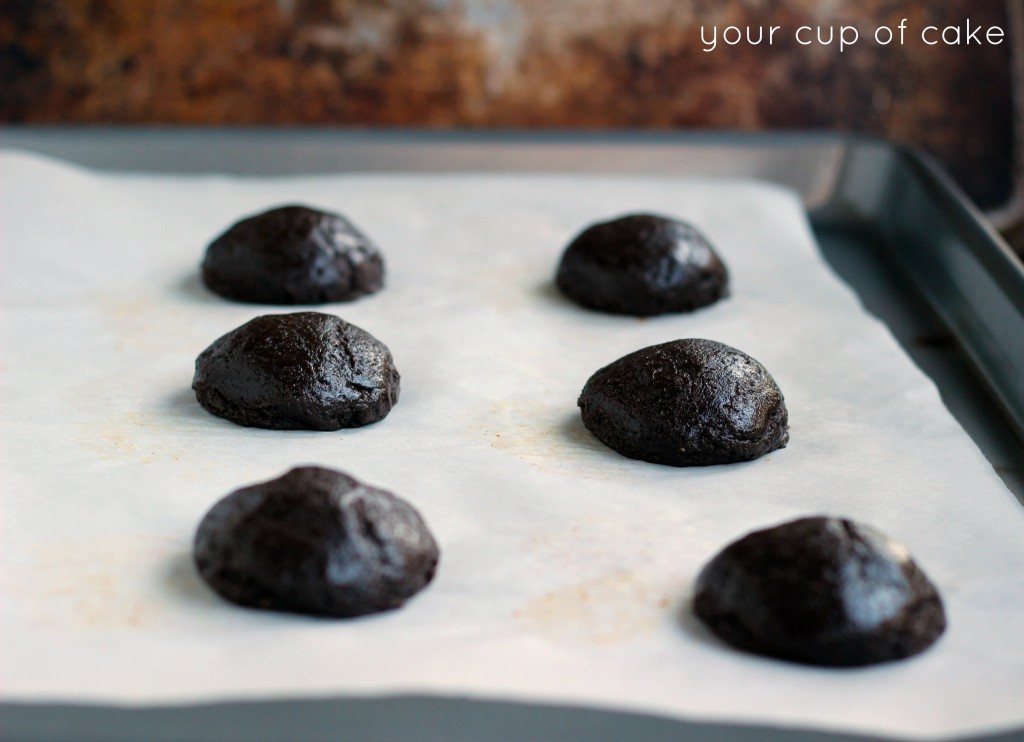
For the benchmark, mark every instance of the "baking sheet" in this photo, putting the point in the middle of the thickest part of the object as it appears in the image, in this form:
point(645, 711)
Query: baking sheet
point(566, 569)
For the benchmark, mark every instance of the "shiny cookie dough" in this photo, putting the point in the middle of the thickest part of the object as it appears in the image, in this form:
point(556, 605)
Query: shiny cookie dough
point(315, 541)
point(686, 403)
point(300, 371)
point(293, 255)
point(642, 265)
point(820, 591)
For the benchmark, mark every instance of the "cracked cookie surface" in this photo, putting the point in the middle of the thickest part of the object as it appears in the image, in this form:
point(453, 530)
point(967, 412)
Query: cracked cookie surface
point(293, 255)
point(299, 371)
point(642, 265)
point(686, 403)
point(315, 541)
point(820, 591)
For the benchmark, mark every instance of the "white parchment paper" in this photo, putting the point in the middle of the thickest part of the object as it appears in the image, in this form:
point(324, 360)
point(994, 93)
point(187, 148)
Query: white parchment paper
point(566, 569)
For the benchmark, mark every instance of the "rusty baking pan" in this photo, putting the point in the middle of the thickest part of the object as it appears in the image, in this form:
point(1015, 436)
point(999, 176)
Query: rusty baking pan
point(889, 222)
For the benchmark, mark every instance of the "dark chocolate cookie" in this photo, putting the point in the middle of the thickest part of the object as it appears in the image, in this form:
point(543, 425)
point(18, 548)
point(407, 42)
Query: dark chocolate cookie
point(301, 371)
point(821, 591)
point(293, 255)
point(315, 541)
point(686, 403)
point(642, 265)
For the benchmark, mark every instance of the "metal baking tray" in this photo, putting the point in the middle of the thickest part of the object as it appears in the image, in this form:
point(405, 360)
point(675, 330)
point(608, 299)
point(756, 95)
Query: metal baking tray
point(889, 222)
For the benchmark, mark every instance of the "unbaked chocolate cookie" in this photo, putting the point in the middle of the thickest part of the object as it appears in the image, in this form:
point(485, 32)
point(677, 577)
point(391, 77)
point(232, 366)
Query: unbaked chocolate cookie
point(293, 255)
point(301, 371)
point(821, 591)
point(642, 265)
point(686, 403)
point(315, 541)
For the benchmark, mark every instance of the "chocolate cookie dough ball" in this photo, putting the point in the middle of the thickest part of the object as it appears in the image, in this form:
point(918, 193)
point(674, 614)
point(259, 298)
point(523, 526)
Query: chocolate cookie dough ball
point(686, 403)
point(293, 255)
point(642, 265)
point(315, 541)
point(820, 591)
point(301, 371)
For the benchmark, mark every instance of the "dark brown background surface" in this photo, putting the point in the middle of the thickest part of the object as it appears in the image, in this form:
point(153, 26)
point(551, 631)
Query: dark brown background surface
point(513, 63)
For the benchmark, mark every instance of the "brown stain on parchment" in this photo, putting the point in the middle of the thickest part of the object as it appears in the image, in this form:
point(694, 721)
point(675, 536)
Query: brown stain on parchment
point(622, 601)
point(88, 584)
point(149, 324)
point(610, 609)
point(548, 437)
point(163, 334)
point(132, 437)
